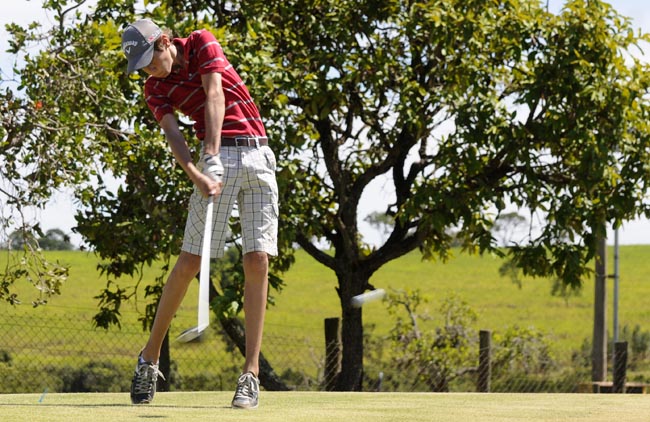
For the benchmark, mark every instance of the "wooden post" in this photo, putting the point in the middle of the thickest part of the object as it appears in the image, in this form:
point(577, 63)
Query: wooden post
point(332, 352)
point(599, 348)
point(620, 366)
point(484, 361)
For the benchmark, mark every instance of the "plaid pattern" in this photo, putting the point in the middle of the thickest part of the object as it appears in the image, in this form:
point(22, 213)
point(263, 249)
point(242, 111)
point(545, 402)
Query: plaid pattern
point(249, 181)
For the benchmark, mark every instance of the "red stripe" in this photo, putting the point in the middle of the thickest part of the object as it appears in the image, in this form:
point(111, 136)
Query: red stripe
point(184, 91)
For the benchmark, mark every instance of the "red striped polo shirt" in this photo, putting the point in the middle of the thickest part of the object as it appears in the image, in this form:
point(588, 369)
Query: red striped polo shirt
point(182, 90)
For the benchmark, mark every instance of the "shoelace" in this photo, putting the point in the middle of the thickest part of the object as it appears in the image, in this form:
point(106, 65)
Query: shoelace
point(244, 386)
point(146, 377)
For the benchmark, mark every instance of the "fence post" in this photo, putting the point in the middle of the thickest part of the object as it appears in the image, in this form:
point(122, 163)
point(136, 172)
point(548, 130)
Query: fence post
point(332, 351)
point(484, 362)
point(620, 366)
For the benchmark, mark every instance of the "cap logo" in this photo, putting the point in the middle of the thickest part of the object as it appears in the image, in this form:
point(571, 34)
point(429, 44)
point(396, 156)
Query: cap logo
point(154, 36)
point(127, 46)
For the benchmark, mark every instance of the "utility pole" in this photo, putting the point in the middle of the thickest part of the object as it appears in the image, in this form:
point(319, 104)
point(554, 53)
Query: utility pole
point(616, 282)
point(599, 350)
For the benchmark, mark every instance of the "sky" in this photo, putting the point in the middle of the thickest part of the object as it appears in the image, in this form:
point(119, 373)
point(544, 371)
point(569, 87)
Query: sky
point(60, 211)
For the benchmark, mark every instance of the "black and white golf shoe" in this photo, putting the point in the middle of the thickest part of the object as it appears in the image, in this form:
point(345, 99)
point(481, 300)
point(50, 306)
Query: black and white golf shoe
point(247, 393)
point(143, 385)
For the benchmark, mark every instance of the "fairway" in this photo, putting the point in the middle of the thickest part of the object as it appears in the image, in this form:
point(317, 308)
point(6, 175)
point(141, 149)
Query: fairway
point(327, 407)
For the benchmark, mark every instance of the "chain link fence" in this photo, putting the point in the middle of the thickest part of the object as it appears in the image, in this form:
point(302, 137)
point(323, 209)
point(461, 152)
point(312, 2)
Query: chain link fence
point(62, 353)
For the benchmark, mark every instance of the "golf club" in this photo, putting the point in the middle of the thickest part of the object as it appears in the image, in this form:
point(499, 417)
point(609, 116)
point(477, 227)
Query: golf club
point(204, 280)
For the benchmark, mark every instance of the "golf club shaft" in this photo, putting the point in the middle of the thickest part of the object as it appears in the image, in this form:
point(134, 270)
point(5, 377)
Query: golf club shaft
point(204, 277)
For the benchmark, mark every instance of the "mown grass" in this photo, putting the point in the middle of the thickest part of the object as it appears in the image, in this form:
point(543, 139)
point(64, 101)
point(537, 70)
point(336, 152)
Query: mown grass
point(328, 407)
point(309, 297)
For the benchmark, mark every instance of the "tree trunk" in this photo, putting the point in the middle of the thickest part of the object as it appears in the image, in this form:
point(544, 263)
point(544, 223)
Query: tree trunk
point(164, 364)
point(599, 347)
point(351, 376)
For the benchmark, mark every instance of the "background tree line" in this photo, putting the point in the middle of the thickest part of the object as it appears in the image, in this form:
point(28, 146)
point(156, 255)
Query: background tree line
point(51, 240)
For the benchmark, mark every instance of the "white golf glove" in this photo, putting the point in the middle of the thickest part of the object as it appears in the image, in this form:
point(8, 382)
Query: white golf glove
point(212, 167)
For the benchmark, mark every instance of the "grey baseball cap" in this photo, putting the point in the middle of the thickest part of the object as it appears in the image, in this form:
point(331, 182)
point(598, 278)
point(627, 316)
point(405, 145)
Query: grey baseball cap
point(138, 41)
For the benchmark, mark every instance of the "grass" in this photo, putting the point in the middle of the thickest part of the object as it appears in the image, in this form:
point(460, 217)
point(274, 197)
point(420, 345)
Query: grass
point(309, 297)
point(329, 407)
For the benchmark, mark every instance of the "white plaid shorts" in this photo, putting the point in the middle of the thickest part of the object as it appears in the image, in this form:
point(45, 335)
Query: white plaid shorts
point(249, 180)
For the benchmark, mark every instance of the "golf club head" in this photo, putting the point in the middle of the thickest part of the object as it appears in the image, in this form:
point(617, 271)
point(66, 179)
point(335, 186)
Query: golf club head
point(191, 334)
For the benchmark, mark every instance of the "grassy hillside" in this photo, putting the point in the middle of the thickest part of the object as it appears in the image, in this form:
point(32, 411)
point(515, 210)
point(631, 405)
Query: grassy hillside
point(309, 296)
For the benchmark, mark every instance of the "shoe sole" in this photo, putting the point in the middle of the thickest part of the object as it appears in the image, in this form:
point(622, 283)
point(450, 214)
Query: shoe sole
point(234, 406)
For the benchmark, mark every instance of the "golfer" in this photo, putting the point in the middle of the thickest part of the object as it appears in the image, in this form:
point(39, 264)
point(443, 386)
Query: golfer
point(192, 76)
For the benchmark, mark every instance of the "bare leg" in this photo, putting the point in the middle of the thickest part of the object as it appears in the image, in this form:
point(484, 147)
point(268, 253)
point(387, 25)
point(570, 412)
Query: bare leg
point(186, 268)
point(256, 272)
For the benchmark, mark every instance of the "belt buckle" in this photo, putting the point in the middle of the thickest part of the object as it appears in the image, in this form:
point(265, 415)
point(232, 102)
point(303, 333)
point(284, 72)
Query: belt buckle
point(257, 142)
point(242, 139)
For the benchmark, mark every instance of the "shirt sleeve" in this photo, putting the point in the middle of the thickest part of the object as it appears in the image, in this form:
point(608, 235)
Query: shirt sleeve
point(209, 54)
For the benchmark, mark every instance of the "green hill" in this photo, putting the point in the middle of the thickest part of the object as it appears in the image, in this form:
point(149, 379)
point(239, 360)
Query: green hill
point(309, 295)
point(294, 327)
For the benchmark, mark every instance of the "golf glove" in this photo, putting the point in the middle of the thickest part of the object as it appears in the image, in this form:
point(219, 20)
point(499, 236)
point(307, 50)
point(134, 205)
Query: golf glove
point(212, 167)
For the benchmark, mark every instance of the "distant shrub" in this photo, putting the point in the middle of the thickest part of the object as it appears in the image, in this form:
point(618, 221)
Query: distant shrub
point(521, 351)
point(298, 380)
point(428, 360)
point(638, 344)
point(638, 348)
point(5, 357)
point(446, 358)
point(92, 378)
point(13, 379)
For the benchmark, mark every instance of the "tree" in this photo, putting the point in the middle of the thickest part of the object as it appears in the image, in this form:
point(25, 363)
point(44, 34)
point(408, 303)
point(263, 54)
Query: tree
point(55, 240)
point(507, 226)
point(546, 115)
point(434, 358)
point(466, 106)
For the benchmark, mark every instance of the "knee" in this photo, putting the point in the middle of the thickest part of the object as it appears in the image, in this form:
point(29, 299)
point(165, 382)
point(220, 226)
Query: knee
point(186, 267)
point(256, 263)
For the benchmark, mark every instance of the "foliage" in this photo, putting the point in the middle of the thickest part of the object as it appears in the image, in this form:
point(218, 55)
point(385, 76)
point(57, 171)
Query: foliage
point(437, 356)
point(55, 240)
point(298, 319)
point(89, 377)
point(5, 357)
point(229, 272)
point(466, 107)
point(523, 351)
point(638, 341)
point(52, 240)
point(32, 267)
point(93, 377)
point(638, 348)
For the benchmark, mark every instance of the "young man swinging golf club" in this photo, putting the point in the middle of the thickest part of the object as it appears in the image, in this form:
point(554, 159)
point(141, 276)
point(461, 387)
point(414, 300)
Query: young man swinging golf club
point(192, 76)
